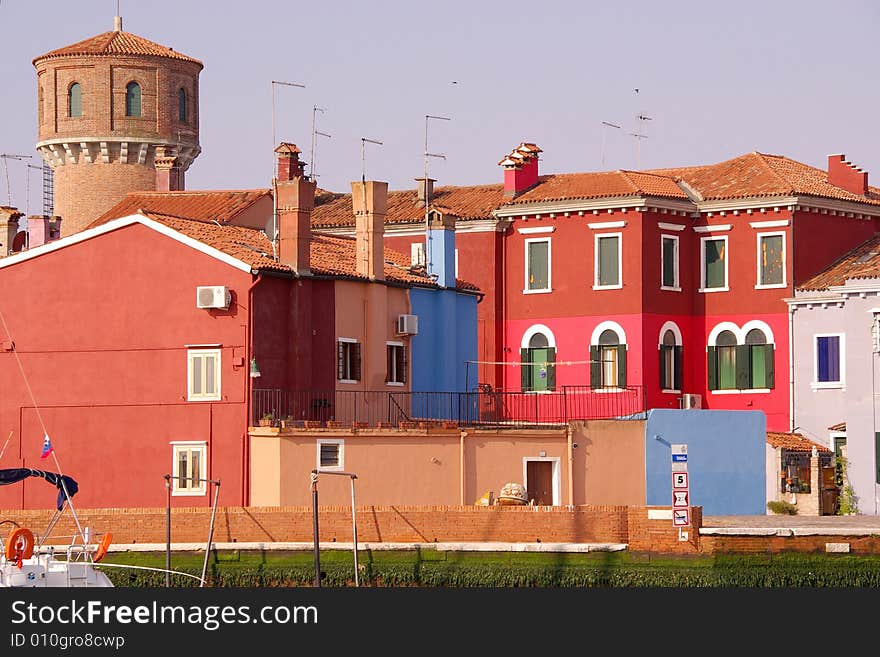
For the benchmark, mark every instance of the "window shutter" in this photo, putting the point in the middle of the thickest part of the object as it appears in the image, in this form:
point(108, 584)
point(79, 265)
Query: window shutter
point(356, 361)
point(621, 366)
point(662, 351)
point(551, 368)
point(677, 359)
point(712, 368)
point(340, 361)
point(743, 362)
point(595, 367)
point(770, 365)
point(401, 364)
point(389, 362)
point(525, 370)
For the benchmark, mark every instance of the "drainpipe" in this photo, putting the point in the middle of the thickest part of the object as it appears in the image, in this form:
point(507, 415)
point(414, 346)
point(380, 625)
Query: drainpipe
point(569, 435)
point(461, 467)
point(791, 424)
point(248, 354)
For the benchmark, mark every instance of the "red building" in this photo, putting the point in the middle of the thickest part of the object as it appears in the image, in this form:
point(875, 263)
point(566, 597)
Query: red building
point(669, 283)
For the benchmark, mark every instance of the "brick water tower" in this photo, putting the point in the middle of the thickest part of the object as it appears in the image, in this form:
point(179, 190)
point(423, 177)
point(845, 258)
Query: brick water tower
point(117, 113)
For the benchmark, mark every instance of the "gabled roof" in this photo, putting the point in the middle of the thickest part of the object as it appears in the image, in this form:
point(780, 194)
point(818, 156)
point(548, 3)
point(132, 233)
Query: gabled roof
point(116, 43)
point(862, 262)
point(794, 442)
point(475, 202)
point(759, 174)
point(602, 184)
point(840, 426)
point(221, 206)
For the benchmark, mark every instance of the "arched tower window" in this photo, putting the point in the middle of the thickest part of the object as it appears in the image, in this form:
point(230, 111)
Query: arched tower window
point(74, 101)
point(133, 99)
point(181, 105)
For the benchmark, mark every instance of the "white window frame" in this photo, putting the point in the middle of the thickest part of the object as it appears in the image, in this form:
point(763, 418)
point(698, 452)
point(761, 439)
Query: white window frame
point(341, 452)
point(402, 346)
point(191, 354)
point(526, 247)
point(815, 384)
point(555, 460)
point(596, 239)
point(676, 331)
point(676, 287)
point(417, 254)
point(769, 286)
point(621, 343)
point(349, 341)
point(197, 489)
point(726, 287)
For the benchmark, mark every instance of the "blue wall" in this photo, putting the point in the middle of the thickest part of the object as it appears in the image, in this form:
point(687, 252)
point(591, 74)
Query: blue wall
point(726, 459)
point(447, 338)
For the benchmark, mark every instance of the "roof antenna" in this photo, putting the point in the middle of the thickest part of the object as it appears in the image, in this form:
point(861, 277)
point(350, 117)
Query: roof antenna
point(427, 187)
point(315, 134)
point(639, 135)
point(610, 125)
point(364, 140)
point(6, 157)
point(117, 19)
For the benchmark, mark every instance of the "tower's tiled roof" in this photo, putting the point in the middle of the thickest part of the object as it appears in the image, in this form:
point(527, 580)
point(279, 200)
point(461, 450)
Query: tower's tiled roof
point(117, 43)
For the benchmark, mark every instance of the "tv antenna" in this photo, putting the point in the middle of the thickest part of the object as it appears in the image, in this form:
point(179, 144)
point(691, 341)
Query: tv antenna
point(6, 157)
point(610, 125)
point(286, 84)
point(428, 154)
point(639, 136)
point(315, 134)
point(364, 142)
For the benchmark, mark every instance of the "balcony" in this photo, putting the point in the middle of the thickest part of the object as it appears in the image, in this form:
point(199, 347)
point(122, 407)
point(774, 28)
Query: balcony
point(489, 408)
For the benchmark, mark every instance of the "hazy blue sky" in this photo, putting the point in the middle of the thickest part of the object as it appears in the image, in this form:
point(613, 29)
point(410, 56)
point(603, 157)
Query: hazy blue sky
point(717, 79)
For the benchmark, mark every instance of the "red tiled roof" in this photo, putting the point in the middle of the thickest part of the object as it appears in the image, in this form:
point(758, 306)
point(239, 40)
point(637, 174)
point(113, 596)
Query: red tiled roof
point(760, 174)
point(862, 262)
point(475, 202)
point(569, 186)
point(329, 255)
point(117, 43)
point(793, 441)
point(220, 206)
point(840, 426)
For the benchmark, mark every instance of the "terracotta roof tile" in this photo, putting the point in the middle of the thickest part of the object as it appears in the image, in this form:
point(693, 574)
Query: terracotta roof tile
point(220, 206)
point(569, 186)
point(793, 441)
point(476, 202)
point(116, 43)
point(840, 426)
point(862, 262)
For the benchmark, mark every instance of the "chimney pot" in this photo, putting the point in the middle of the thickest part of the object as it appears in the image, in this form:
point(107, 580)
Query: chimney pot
point(369, 201)
point(425, 189)
point(288, 163)
point(520, 169)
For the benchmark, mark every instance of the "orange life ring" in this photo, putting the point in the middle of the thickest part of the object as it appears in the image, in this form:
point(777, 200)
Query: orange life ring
point(103, 546)
point(20, 544)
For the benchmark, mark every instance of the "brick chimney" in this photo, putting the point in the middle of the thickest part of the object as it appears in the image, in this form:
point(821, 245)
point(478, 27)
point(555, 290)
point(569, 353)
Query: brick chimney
point(295, 199)
point(847, 176)
point(43, 229)
point(520, 169)
point(425, 190)
point(169, 174)
point(8, 228)
point(369, 201)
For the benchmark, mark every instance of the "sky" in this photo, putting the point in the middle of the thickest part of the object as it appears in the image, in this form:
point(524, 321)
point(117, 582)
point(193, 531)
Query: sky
point(715, 79)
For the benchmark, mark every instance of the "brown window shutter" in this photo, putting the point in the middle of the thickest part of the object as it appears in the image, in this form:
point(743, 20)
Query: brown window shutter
point(401, 364)
point(389, 362)
point(356, 361)
point(340, 360)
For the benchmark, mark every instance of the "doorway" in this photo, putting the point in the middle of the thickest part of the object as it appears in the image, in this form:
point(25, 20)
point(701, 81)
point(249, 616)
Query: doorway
point(542, 480)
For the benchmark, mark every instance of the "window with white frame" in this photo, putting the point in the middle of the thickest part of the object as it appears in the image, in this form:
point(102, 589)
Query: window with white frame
point(670, 358)
point(829, 361)
point(188, 469)
point(741, 358)
point(771, 260)
point(396, 363)
point(713, 269)
point(669, 278)
point(417, 254)
point(608, 360)
point(330, 454)
point(537, 265)
point(607, 261)
point(203, 374)
point(348, 360)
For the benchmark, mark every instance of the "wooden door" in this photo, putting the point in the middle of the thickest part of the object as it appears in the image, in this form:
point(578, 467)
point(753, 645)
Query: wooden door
point(539, 482)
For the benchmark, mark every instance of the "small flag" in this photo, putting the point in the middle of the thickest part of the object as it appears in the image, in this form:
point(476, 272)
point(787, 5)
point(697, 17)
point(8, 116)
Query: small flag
point(47, 447)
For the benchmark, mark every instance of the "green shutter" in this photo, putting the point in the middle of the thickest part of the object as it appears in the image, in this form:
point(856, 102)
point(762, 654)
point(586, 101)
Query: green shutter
point(595, 367)
point(677, 360)
point(770, 366)
point(551, 368)
point(712, 368)
point(525, 370)
point(663, 366)
point(609, 262)
point(621, 366)
point(742, 367)
point(668, 275)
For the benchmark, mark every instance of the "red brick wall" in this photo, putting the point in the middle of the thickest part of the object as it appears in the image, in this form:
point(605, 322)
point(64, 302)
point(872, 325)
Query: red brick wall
point(775, 544)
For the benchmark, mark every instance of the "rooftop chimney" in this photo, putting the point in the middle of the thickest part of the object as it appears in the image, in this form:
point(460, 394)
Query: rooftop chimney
point(117, 23)
point(8, 228)
point(369, 201)
point(425, 189)
point(295, 199)
point(520, 169)
point(43, 229)
point(169, 174)
point(440, 249)
point(845, 175)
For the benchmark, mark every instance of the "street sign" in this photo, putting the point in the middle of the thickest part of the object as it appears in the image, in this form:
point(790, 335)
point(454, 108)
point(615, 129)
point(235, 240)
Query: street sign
point(679, 479)
point(680, 498)
point(681, 517)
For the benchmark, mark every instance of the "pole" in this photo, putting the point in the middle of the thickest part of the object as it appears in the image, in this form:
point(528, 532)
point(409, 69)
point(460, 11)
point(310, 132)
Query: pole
point(168, 531)
point(210, 530)
point(354, 533)
point(314, 481)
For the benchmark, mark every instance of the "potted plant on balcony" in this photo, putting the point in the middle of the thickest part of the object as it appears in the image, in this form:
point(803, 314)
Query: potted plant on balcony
point(267, 419)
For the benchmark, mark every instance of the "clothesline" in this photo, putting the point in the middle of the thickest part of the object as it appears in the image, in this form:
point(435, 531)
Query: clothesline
point(520, 363)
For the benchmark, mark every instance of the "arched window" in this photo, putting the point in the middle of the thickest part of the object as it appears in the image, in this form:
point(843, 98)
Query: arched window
point(725, 361)
point(760, 363)
point(670, 361)
point(741, 359)
point(608, 361)
point(133, 99)
point(181, 105)
point(74, 101)
point(538, 358)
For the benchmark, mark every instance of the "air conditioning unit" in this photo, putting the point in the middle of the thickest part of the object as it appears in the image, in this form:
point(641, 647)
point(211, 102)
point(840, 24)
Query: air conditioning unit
point(690, 401)
point(213, 296)
point(407, 325)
